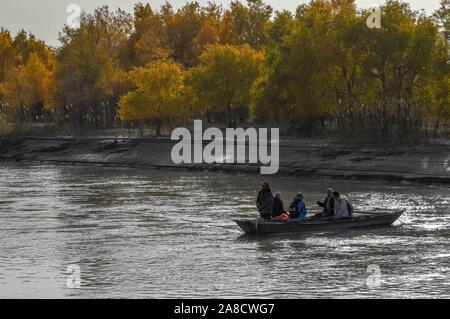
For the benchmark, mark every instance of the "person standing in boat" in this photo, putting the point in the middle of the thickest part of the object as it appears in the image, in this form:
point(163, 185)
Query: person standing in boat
point(342, 208)
point(327, 205)
point(297, 209)
point(264, 201)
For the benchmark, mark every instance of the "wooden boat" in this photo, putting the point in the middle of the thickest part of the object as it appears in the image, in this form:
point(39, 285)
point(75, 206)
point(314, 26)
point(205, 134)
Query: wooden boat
point(357, 220)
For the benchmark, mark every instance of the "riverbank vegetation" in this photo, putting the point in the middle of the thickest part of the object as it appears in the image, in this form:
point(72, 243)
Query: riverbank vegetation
point(319, 70)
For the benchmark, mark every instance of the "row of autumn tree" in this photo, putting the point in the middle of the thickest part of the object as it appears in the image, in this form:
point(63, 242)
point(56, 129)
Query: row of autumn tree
point(320, 67)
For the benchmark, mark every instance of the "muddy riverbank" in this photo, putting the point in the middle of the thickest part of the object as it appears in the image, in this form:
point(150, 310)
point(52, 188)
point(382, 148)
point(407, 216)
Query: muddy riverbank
point(419, 163)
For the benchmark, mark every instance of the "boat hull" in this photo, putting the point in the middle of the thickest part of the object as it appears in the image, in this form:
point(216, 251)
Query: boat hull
point(261, 227)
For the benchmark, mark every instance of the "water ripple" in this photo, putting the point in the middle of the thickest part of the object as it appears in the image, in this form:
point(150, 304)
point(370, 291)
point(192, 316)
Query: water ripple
point(143, 233)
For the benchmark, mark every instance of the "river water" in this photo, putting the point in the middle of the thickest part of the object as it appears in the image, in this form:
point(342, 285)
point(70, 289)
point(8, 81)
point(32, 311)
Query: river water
point(138, 233)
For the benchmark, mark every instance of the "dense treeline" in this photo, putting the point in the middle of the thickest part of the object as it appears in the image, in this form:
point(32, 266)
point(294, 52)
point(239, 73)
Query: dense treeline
point(320, 68)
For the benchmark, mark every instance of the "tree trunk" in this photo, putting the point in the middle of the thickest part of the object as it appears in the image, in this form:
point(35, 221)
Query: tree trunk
point(157, 123)
point(229, 116)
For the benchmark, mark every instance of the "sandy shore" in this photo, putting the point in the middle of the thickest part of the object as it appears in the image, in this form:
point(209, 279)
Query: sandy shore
point(421, 163)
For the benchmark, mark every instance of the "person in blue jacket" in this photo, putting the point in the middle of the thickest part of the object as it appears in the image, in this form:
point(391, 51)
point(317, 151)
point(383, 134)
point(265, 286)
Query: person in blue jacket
point(297, 209)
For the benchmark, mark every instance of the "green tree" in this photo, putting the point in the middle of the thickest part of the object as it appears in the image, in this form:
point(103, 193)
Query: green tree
point(182, 28)
point(298, 85)
point(148, 41)
point(443, 17)
point(224, 78)
point(435, 88)
point(268, 96)
point(249, 23)
point(88, 77)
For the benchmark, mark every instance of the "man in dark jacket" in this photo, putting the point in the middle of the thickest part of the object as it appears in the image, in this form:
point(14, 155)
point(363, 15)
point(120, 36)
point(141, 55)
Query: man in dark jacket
point(264, 201)
point(327, 205)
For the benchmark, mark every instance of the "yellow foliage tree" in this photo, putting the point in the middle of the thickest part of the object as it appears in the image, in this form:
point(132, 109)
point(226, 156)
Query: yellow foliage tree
point(29, 86)
point(7, 54)
point(158, 93)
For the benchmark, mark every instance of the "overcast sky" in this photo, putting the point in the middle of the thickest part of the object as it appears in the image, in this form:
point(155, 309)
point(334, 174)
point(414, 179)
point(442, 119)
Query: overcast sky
point(45, 18)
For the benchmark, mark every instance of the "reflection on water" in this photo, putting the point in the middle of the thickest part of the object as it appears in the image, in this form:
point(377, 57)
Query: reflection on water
point(151, 233)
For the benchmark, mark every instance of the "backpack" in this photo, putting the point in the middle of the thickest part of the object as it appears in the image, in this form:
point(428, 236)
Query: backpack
point(293, 209)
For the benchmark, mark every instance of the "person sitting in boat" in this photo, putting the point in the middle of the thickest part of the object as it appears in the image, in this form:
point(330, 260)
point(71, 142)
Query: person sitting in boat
point(297, 209)
point(327, 205)
point(264, 201)
point(349, 206)
point(342, 208)
point(278, 211)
